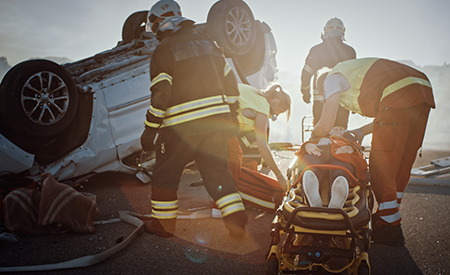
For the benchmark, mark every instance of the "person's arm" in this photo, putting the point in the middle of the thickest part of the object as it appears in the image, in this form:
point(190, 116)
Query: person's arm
point(307, 73)
point(359, 133)
point(161, 92)
point(367, 129)
point(328, 117)
point(261, 140)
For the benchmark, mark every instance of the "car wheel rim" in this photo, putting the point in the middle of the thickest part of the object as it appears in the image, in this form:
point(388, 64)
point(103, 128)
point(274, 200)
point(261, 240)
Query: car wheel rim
point(238, 26)
point(45, 98)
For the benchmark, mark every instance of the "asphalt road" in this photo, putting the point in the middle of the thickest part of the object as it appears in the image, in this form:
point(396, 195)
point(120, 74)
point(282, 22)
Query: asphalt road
point(202, 246)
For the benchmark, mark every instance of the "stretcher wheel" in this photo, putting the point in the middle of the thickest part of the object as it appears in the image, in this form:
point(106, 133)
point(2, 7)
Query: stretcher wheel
point(272, 267)
point(363, 269)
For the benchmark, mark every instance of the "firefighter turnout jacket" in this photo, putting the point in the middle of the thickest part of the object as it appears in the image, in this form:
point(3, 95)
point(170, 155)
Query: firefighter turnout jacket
point(200, 102)
point(326, 54)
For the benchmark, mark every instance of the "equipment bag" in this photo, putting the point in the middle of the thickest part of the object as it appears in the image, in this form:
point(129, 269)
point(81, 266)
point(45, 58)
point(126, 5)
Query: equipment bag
point(259, 190)
point(8, 185)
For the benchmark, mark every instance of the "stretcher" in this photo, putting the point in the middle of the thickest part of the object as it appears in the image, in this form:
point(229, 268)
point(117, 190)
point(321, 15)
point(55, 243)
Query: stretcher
point(321, 240)
point(435, 168)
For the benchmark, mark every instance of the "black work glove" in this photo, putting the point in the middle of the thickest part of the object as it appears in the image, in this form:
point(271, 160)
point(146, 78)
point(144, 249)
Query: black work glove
point(149, 139)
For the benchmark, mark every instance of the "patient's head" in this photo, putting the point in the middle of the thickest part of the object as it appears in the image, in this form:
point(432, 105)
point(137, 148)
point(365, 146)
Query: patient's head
point(337, 131)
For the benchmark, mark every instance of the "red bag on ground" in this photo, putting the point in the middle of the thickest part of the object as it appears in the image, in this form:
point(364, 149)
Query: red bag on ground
point(7, 186)
point(259, 190)
point(54, 209)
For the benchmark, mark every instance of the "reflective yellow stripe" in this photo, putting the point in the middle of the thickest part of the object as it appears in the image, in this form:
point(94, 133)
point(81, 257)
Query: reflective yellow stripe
point(156, 112)
point(164, 214)
point(317, 96)
point(308, 69)
point(152, 125)
point(403, 83)
point(388, 205)
point(306, 87)
point(391, 218)
point(228, 199)
point(196, 115)
point(161, 77)
point(233, 208)
point(195, 104)
point(227, 69)
point(254, 145)
point(164, 204)
point(232, 99)
point(257, 201)
point(245, 141)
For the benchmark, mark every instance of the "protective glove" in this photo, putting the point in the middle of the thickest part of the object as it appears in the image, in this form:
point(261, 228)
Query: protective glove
point(307, 97)
point(149, 138)
point(355, 135)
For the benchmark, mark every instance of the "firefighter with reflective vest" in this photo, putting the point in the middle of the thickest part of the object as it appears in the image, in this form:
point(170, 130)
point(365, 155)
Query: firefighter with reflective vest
point(192, 115)
point(255, 109)
point(330, 52)
point(399, 98)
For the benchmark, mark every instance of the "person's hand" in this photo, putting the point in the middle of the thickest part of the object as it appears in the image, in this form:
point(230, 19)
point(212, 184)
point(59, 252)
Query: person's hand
point(149, 138)
point(312, 149)
point(355, 135)
point(346, 149)
point(282, 181)
point(307, 97)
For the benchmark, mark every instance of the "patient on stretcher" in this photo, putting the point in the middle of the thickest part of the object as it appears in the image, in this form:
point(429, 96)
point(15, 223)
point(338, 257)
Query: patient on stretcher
point(336, 151)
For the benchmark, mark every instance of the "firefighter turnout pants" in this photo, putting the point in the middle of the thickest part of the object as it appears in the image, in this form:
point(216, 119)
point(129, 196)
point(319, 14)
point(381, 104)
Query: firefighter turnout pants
point(396, 138)
point(210, 152)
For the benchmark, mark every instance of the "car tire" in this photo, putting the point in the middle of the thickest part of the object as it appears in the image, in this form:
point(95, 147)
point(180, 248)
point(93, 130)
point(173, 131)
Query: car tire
point(38, 98)
point(232, 25)
point(134, 26)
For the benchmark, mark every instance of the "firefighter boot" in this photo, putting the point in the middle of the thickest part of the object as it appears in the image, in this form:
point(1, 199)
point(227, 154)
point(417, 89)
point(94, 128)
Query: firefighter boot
point(388, 234)
point(163, 228)
point(235, 223)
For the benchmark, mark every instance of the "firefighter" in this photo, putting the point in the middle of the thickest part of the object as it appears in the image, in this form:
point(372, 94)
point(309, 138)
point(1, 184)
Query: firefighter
point(255, 109)
point(326, 54)
point(192, 114)
point(399, 98)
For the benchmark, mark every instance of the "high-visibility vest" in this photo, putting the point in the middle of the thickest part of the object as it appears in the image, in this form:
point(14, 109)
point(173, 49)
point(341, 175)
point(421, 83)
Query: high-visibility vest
point(249, 98)
point(357, 71)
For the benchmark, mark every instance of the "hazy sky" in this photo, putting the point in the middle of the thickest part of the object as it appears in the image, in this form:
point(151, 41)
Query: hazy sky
point(417, 30)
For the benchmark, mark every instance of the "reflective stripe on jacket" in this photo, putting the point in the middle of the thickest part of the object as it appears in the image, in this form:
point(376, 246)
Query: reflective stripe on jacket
point(193, 87)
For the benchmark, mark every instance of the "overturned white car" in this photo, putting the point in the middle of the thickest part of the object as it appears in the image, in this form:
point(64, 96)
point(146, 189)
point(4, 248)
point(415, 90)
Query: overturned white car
point(78, 119)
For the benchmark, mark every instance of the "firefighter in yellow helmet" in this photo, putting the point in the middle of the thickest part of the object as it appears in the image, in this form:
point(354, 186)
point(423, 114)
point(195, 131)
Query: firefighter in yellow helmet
point(192, 114)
